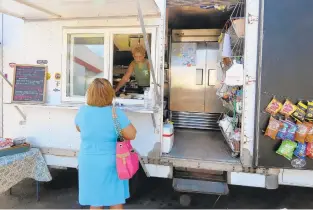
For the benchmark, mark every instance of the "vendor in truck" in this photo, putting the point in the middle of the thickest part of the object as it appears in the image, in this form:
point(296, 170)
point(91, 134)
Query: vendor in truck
point(139, 67)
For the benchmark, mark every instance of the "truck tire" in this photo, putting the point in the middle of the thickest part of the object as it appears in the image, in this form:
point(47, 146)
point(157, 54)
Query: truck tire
point(185, 200)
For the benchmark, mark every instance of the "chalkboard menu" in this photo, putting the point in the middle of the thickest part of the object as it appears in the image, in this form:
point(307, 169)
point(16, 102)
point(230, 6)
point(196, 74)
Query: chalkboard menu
point(29, 83)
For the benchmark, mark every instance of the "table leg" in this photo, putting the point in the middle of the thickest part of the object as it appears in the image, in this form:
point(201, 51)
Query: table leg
point(10, 191)
point(37, 190)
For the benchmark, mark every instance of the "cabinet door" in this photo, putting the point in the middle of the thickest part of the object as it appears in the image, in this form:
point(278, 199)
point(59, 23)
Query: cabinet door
point(187, 81)
point(212, 103)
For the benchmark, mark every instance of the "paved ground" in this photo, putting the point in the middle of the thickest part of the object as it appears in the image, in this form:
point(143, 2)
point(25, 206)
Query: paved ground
point(62, 193)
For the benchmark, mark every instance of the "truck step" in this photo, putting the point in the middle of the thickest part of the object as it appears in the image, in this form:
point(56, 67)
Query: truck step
point(200, 181)
point(200, 186)
point(198, 174)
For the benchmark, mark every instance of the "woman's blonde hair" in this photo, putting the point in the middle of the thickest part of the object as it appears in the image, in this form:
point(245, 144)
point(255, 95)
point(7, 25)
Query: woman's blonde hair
point(139, 49)
point(100, 93)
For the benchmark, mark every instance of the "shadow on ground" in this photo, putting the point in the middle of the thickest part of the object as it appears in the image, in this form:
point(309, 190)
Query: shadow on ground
point(62, 193)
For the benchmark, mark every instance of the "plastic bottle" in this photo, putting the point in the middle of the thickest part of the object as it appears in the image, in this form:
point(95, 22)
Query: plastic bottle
point(146, 98)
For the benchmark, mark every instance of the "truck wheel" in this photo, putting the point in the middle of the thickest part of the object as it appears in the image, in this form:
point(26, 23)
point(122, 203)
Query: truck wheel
point(185, 200)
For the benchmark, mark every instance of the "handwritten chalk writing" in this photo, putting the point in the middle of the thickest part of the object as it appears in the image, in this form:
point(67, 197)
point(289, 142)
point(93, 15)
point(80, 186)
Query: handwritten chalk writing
point(29, 83)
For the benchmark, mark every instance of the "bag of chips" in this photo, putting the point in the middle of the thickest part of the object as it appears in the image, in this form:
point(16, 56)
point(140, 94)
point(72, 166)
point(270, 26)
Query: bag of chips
point(273, 107)
point(309, 150)
point(309, 137)
point(273, 127)
point(286, 149)
point(300, 151)
point(299, 114)
point(288, 108)
point(302, 132)
point(309, 111)
point(291, 131)
point(282, 131)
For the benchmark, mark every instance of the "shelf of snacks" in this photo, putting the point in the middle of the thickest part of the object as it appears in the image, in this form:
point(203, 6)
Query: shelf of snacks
point(292, 124)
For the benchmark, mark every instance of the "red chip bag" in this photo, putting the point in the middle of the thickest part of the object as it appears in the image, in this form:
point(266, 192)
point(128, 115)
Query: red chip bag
point(309, 150)
point(274, 107)
point(273, 127)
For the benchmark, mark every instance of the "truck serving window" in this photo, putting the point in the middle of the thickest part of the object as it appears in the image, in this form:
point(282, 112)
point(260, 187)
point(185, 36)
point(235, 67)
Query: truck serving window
point(129, 52)
point(106, 53)
point(85, 62)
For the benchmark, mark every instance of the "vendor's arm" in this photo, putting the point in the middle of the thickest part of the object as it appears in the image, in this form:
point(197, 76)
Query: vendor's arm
point(148, 65)
point(126, 77)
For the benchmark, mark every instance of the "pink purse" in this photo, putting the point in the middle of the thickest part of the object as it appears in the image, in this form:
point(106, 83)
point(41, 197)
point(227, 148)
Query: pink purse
point(127, 160)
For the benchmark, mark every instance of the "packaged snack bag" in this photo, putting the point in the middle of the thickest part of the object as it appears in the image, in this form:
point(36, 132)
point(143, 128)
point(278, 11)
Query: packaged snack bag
point(309, 137)
point(309, 150)
point(300, 151)
point(302, 132)
point(299, 114)
point(282, 131)
point(273, 107)
point(286, 149)
point(273, 128)
point(288, 108)
point(291, 131)
point(309, 112)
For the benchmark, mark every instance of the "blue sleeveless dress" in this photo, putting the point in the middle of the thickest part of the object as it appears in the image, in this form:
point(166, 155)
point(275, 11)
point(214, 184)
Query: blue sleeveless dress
point(99, 184)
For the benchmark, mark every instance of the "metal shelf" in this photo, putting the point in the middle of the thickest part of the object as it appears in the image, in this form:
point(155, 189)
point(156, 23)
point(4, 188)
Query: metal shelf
point(235, 152)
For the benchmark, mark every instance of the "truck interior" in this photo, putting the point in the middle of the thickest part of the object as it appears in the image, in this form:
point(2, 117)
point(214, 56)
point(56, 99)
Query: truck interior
point(122, 57)
point(197, 133)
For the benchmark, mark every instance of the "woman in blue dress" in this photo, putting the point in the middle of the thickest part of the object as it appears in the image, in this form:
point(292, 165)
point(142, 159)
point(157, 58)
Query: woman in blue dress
point(99, 184)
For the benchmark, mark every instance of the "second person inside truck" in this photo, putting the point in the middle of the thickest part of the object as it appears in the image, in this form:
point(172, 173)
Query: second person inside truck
point(139, 67)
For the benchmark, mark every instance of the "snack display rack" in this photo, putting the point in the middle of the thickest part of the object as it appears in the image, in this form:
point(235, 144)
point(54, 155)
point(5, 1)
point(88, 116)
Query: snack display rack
point(230, 91)
point(233, 144)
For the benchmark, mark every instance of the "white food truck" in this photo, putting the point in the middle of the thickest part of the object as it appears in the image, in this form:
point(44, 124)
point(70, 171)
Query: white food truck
point(79, 40)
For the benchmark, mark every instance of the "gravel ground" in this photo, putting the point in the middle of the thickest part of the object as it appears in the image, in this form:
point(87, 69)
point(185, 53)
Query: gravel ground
point(61, 193)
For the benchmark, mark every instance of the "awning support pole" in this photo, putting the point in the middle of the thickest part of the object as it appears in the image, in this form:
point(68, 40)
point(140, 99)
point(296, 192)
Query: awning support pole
point(16, 107)
point(142, 25)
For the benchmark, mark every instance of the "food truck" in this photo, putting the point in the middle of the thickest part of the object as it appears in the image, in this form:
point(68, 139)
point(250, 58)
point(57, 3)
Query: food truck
point(220, 70)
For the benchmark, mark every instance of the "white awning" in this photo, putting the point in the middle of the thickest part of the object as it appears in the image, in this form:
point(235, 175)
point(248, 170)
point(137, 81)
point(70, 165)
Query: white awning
point(76, 9)
point(199, 3)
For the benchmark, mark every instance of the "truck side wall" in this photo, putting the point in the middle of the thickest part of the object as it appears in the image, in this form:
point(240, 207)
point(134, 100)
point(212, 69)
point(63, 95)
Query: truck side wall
point(250, 69)
point(54, 128)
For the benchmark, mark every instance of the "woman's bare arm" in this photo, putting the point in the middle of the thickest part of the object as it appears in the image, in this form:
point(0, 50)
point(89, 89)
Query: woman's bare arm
point(129, 132)
point(126, 77)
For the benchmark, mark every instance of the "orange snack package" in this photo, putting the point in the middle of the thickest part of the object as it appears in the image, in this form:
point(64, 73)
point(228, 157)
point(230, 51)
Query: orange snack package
point(273, 127)
point(309, 136)
point(302, 132)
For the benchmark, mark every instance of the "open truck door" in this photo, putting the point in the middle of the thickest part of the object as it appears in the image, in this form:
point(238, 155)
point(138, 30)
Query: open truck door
point(284, 69)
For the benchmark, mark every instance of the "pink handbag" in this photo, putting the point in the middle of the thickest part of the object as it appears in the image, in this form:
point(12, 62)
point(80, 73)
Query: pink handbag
point(127, 160)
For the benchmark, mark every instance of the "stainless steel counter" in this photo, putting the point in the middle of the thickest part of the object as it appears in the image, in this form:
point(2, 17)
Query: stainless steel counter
point(75, 106)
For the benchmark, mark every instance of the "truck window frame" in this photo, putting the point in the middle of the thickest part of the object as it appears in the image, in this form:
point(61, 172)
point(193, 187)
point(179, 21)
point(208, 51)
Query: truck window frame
point(67, 51)
point(108, 34)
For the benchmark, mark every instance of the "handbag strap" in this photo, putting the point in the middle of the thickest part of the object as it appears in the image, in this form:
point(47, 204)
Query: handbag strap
point(117, 125)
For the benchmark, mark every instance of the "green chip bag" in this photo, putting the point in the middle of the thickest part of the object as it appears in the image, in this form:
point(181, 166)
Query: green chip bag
point(287, 148)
